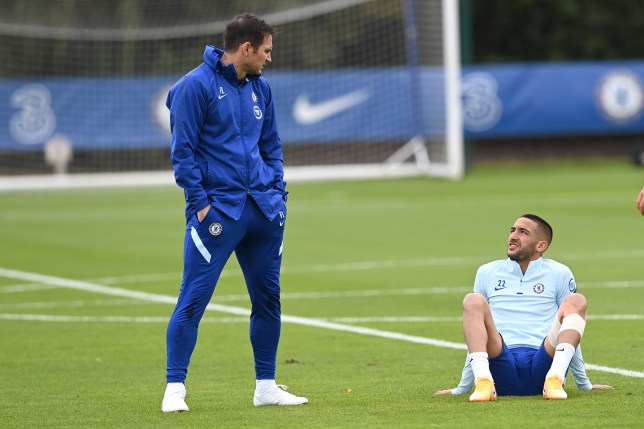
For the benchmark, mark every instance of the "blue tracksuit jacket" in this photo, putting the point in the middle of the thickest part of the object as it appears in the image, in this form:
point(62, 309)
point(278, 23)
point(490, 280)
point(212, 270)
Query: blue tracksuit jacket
point(225, 143)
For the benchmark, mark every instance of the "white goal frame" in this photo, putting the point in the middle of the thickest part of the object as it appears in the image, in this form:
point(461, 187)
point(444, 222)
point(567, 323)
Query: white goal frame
point(411, 159)
point(416, 147)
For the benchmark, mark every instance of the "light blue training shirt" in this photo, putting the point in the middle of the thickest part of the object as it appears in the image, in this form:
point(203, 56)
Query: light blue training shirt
point(524, 306)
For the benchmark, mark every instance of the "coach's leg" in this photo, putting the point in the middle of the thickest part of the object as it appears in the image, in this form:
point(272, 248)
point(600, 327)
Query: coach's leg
point(564, 337)
point(483, 342)
point(260, 257)
point(206, 250)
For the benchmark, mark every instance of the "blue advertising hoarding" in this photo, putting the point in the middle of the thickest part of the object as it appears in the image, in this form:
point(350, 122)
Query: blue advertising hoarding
point(509, 101)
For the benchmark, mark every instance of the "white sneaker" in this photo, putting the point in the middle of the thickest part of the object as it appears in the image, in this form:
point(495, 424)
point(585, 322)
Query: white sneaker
point(277, 396)
point(174, 398)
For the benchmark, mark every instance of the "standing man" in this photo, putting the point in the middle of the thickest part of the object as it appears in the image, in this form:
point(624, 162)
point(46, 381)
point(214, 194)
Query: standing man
point(524, 322)
point(227, 157)
point(640, 201)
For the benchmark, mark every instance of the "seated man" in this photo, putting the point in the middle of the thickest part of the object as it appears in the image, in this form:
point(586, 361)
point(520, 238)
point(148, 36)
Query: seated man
point(524, 322)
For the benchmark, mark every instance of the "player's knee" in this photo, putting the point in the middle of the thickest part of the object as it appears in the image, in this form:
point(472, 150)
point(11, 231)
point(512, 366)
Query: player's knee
point(575, 303)
point(474, 302)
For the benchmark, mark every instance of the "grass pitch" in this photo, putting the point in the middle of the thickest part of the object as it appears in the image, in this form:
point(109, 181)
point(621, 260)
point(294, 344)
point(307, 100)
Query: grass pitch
point(87, 279)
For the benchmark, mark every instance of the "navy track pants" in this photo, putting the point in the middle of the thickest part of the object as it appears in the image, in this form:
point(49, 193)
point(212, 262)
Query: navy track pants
point(257, 243)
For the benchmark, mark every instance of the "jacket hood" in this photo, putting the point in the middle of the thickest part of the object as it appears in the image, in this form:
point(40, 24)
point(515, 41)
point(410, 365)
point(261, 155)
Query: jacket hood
point(212, 57)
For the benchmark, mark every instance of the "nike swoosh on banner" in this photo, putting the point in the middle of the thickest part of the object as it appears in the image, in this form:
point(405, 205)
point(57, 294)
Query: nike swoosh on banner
point(306, 113)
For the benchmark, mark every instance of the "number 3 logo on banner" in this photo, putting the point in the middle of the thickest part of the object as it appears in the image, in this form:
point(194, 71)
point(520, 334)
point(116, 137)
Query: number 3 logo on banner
point(35, 121)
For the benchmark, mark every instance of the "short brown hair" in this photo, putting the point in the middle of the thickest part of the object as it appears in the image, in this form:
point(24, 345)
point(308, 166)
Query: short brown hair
point(246, 27)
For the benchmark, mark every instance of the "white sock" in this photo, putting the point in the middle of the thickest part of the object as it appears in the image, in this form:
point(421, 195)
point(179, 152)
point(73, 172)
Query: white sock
point(480, 365)
point(563, 355)
point(175, 386)
point(262, 386)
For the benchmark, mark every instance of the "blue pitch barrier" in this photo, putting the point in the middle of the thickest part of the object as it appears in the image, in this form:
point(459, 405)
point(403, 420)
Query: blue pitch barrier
point(518, 100)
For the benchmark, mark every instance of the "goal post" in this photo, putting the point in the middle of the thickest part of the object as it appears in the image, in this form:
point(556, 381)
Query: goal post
point(362, 88)
point(430, 71)
point(454, 120)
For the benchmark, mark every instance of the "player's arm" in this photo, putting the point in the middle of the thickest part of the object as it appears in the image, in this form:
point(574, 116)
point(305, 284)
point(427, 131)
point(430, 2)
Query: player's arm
point(578, 370)
point(466, 383)
point(577, 366)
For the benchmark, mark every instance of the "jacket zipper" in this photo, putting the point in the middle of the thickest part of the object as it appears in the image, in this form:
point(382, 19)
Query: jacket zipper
point(241, 121)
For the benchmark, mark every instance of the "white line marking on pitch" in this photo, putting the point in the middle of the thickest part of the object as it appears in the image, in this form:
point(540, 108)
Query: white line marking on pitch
point(145, 296)
point(110, 319)
point(74, 304)
point(320, 294)
point(131, 319)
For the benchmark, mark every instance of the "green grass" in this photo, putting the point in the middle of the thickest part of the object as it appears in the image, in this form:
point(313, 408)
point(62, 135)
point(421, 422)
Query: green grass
point(374, 249)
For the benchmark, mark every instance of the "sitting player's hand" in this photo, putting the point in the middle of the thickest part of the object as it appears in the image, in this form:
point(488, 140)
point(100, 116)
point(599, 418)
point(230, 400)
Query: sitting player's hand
point(602, 387)
point(444, 392)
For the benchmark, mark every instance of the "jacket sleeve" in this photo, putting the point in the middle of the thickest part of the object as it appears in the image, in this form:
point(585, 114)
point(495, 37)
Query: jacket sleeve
point(578, 370)
point(270, 145)
point(188, 102)
point(467, 380)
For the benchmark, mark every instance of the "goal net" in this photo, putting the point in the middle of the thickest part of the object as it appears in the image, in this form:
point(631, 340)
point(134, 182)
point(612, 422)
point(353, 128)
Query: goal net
point(362, 88)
